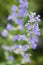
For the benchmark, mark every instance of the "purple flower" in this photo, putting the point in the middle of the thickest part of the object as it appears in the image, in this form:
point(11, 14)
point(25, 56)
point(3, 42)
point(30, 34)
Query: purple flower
point(17, 49)
point(35, 38)
point(19, 37)
point(33, 41)
point(26, 4)
point(26, 58)
point(9, 48)
point(4, 33)
point(22, 6)
point(32, 19)
point(22, 1)
point(15, 37)
point(38, 18)
point(25, 55)
point(11, 58)
point(25, 47)
point(9, 27)
point(14, 8)
point(17, 46)
point(23, 37)
point(10, 17)
point(34, 45)
point(36, 29)
point(22, 10)
point(19, 21)
point(28, 26)
point(14, 13)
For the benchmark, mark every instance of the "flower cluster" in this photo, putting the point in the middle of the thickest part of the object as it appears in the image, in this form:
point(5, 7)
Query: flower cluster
point(32, 31)
point(19, 12)
point(18, 49)
point(19, 37)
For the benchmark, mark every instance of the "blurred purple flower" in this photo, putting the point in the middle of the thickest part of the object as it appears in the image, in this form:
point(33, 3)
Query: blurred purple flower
point(17, 49)
point(25, 47)
point(36, 29)
point(34, 45)
point(26, 58)
point(22, 1)
point(9, 48)
point(10, 17)
point(23, 6)
point(35, 38)
point(32, 19)
point(38, 18)
point(14, 8)
point(28, 26)
point(26, 4)
point(22, 12)
point(23, 9)
point(15, 37)
point(17, 46)
point(9, 27)
point(11, 58)
point(25, 55)
point(33, 41)
point(4, 33)
point(19, 21)
point(23, 37)
point(19, 37)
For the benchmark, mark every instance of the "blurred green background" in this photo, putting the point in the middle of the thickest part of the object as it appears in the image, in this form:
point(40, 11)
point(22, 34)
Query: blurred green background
point(34, 6)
